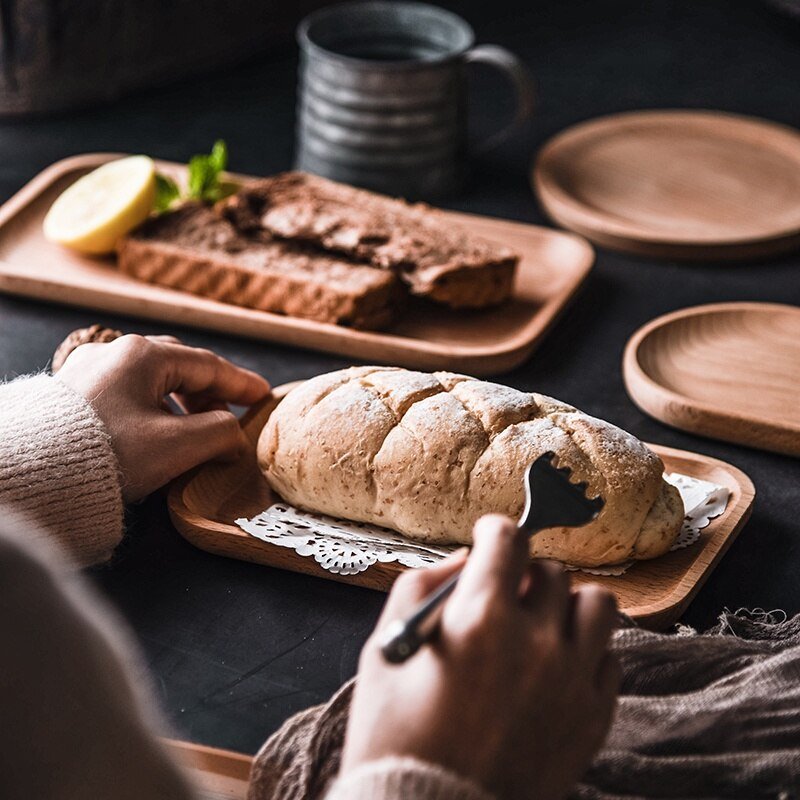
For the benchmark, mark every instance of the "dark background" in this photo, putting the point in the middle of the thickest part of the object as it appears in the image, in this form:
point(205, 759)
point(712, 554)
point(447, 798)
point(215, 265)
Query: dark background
point(236, 648)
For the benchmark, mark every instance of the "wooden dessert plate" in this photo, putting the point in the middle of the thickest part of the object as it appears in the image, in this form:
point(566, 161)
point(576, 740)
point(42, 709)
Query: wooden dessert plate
point(204, 503)
point(216, 774)
point(553, 266)
point(676, 184)
point(727, 370)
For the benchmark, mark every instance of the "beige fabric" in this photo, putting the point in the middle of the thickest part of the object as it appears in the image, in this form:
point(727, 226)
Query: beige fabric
point(700, 717)
point(58, 467)
point(427, 454)
point(406, 778)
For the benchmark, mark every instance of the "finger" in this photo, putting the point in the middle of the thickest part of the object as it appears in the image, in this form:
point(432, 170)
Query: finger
point(594, 618)
point(497, 563)
point(414, 585)
point(196, 438)
point(189, 370)
point(547, 594)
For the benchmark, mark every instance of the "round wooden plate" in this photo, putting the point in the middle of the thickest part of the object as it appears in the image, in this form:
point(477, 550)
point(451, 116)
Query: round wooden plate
point(727, 370)
point(676, 184)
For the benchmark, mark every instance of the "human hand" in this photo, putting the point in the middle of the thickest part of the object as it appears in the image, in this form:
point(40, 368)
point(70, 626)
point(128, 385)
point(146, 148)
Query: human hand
point(517, 690)
point(127, 381)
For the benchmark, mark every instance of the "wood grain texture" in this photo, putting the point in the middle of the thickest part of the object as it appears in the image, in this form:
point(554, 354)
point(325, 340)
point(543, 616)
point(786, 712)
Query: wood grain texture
point(216, 774)
point(480, 342)
point(676, 184)
point(204, 503)
point(730, 371)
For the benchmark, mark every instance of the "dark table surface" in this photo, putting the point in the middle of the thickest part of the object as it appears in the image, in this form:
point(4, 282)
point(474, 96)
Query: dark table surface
point(236, 648)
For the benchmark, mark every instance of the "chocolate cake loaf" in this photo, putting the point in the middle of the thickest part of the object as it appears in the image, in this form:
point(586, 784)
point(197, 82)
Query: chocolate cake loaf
point(435, 258)
point(196, 250)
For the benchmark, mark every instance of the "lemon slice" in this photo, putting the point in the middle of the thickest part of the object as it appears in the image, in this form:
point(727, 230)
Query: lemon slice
point(99, 208)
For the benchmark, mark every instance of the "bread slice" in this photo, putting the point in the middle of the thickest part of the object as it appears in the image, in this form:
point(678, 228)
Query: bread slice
point(435, 258)
point(196, 250)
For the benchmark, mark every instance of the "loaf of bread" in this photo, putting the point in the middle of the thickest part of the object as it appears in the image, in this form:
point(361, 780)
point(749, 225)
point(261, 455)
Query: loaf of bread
point(427, 454)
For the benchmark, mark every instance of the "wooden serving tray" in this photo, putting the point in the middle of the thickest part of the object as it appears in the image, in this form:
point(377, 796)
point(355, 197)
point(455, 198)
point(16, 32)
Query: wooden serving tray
point(676, 184)
point(727, 370)
point(216, 774)
point(552, 267)
point(204, 503)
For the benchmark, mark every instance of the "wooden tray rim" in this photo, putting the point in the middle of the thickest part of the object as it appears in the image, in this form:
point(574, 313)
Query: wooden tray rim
point(513, 350)
point(730, 523)
point(636, 377)
point(618, 232)
point(211, 759)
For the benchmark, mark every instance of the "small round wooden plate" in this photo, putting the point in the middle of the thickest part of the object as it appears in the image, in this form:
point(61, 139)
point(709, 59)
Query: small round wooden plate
point(730, 371)
point(676, 184)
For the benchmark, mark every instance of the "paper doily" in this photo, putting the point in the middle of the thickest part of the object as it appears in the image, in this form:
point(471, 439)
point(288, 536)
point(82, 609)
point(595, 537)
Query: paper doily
point(344, 548)
point(347, 548)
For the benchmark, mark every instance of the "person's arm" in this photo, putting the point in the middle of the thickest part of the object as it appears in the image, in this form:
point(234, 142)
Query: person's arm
point(511, 699)
point(77, 720)
point(58, 468)
point(75, 447)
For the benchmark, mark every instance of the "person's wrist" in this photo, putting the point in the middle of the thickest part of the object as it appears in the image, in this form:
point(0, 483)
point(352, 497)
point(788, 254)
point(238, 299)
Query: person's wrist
point(405, 776)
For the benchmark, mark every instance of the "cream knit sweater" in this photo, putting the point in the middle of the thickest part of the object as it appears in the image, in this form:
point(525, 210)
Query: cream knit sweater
point(77, 722)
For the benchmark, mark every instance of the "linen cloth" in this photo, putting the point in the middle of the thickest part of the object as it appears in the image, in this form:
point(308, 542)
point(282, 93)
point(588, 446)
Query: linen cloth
point(705, 716)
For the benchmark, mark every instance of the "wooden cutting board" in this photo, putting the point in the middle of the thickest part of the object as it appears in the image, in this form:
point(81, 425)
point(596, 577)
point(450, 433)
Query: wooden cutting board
point(553, 265)
point(204, 503)
point(676, 184)
point(727, 370)
point(216, 774)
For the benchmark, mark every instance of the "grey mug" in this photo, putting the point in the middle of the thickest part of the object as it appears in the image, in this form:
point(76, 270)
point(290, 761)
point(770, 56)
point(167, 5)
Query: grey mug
point(383, 95)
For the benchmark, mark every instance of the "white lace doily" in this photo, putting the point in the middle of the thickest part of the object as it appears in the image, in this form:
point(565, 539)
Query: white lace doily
point(347, 548)
point(344, 548)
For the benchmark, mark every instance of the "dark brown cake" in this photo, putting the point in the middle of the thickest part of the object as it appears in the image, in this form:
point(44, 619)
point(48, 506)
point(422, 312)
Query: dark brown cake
point(197, 250)
point(435, 258)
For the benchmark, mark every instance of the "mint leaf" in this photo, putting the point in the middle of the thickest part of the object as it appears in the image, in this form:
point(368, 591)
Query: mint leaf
point(167, 193)
point(204, 172)
point(219, 156)
point(204, 182)
point(199, 177)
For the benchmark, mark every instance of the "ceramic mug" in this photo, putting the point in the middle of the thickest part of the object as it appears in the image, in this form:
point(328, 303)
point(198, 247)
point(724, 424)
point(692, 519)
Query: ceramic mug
point(382, 97)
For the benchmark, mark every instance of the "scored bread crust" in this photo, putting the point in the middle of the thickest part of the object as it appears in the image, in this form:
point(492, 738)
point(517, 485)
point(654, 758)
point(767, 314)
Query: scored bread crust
point(427, 454)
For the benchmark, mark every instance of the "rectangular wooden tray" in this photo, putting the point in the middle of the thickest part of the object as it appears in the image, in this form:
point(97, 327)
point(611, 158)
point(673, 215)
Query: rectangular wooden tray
point(553, 266)
point(216, 774)
point(204, 503)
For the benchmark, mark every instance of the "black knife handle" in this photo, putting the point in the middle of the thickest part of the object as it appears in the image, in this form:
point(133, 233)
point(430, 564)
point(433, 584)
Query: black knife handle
point(404, 637)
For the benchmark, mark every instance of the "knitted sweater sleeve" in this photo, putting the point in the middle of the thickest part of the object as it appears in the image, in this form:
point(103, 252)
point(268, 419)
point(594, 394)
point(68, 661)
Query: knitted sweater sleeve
point(403, 779)
point(58, 468)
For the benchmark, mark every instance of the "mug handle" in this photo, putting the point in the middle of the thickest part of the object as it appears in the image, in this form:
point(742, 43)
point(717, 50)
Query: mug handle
point(524, 87)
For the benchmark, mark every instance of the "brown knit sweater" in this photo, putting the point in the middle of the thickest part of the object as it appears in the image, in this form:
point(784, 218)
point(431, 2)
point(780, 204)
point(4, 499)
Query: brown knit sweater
point(77, 718)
